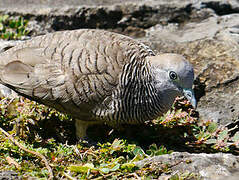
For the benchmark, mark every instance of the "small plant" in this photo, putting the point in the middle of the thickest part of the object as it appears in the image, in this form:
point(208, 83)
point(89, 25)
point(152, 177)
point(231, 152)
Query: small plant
point(12, 28)
point(185, 175)
point(176, 118)
point(156, 151)
point(217, 137)
point(34, 126)
point(205, 135)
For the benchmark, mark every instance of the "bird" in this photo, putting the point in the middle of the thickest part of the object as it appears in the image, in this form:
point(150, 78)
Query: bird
point(97, 76)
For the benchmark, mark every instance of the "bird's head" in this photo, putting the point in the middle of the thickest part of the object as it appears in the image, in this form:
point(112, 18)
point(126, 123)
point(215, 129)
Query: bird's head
point(174, 75)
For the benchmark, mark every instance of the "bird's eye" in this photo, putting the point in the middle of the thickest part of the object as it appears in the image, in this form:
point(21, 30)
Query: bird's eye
point(173, 75)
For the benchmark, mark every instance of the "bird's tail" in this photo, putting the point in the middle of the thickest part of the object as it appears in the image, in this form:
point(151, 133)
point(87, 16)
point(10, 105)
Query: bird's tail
point(4, 90)
point(3, 56)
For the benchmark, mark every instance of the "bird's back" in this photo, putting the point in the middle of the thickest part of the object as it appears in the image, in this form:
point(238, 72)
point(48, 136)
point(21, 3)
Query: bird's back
point(73, 71)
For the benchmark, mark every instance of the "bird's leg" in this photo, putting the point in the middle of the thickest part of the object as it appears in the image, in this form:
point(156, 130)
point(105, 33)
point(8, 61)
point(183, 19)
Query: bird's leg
point(81, 128)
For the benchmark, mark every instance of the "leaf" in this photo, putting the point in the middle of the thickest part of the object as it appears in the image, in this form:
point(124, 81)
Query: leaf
point(175, 177)
point(223, 135)
point(5, 17)
point(178, 111)
point(116, 145)
point(6, 36)
point(153, 147)
point(18, 22)
point(104, 170)
point(116, 167)
point(206, 135)
point(138, 157)
point(89, 165)
point(12, 24)
point(1, 26)
point(138, 151)
point(235, 138)
point(162, 150)
point(78, 169)
point(212, 127)
point(128, 166)
point(211, 141)
point(81, 168)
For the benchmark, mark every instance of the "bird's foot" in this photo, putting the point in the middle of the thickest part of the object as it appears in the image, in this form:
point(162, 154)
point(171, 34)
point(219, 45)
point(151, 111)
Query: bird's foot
point(81, 132)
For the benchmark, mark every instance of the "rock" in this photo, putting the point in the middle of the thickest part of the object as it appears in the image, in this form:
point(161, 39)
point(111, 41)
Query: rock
point(234, 176)
point(5, 91)
point(113, 15)
point(221, 27)
point(206, 166)
point(215, 55)
point(9, 175)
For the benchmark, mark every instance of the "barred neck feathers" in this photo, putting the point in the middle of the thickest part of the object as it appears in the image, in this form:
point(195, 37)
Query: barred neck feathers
point(134, 101)
point(137, 96)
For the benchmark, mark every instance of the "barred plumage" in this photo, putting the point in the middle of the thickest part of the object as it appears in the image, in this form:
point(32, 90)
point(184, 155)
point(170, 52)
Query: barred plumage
point(96, 76)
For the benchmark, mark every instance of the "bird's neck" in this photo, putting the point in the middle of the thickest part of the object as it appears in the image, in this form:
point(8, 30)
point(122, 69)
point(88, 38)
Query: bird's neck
point(136, 98)
point(138, 95)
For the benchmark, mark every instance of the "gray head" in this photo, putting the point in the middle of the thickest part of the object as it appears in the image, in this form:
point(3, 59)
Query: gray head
point(173, 76)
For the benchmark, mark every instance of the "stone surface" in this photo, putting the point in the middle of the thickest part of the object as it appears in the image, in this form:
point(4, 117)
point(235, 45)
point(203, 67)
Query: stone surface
point(207, 166)
point(9, 175)
point(129, 16)
point(215, 55)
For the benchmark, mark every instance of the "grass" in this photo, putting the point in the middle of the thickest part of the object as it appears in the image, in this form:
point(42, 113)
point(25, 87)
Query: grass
point(51, 134)
point(12, 28)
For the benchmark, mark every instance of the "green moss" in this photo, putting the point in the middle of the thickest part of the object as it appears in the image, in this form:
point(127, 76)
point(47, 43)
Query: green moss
point(46, 131)
point(12, 28)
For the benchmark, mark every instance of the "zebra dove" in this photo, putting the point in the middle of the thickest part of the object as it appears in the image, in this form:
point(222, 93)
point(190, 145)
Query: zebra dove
point(97, 77)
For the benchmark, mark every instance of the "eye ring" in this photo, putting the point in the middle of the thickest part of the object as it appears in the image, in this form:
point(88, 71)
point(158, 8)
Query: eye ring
point(173, 75)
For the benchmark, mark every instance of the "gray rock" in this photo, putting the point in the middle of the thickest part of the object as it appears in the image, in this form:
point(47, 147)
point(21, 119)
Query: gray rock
point(9, 175)
point(223, 28)
point(5, 91)
point(207, 166)
point(131, 15)
point(212, 46)
point(7, 44)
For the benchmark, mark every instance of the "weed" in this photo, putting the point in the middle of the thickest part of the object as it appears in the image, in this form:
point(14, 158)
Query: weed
point(12, 28)
point(46, 131)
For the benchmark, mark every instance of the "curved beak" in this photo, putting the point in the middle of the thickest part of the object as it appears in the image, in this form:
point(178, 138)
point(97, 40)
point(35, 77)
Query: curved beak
point(189, 94)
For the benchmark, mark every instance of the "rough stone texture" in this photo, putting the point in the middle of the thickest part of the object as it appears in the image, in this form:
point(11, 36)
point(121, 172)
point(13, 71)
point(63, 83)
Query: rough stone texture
point(215, 54)
point(9, 175)
point(206, 32)
point(129, 16)
point(207, 166)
